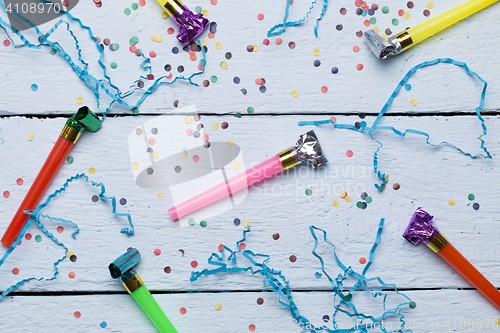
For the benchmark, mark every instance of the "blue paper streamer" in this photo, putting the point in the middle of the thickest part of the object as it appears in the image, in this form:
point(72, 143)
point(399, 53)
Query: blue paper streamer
point(35, 216)
point(275, 281)
point(91, 81)
point(282, 26)
point(375, 126)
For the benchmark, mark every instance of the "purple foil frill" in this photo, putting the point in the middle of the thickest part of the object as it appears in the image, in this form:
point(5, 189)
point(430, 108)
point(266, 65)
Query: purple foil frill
point(420, 228)
point(190, 25)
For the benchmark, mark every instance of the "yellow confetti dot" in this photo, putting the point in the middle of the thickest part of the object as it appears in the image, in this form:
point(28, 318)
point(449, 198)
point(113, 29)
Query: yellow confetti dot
point(386, 178)
point(230, 142)
point(159, 38)
point(406, 15)
point(295, 93)
point(218, 45)
point(215, 126)
point(384, 36)
point(79, 100)
point(164, 15)
point(348, 198)
point(223, 65)
point(498, 321)
point(189, 120)
point(156, 154)
point(160, 195)
point(336, 203)
point(451, 202)
point(135, 165)
point(430, 5)
point(375, 29)
point(247, 223)
point(255, 48)
point(342, 194)
point(413, 102)
point(236, 166)
point(316, 52)
point(71, 253)
point(205, 12)
point(218, 306)
point(184, 156)
point(153, 38)
point(92, 170)
point(204, 42)
point(30, 137)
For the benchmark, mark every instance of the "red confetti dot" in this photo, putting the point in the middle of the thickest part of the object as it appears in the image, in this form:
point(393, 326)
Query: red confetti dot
point(213, 2)
point(355, 48)
point(20, 181)
point(260, 301)
point(183, 310)
point(243, 246)
point(343, 11)
point(293, 258)
point(251, 327)
point(65, 3)
point(349, 153)
point(169, 76)
point(167, 269)
point(276, 236)
point(266, 42)
point(28, 236)
point(77, 314)
point(221, 247)
point(157, 252)
point(194, 263)
point(142, 3)
point(367, 23)
point(410, 4)
point(396, 186)
point(359, 67)
point(427, 13)
point(152, 54)
point(151, 77)
point(132, 48)
point(260, 17)
point(71, 275)
point(60, 229)
point(362, 260)
point(18, 244)
point(170, 31)
point(333, 119)
point(324, 89)
point(196, 158)
point(6, 194)
point(357, 3)
point(6, 43)
point(401, 12)
point(15, 271)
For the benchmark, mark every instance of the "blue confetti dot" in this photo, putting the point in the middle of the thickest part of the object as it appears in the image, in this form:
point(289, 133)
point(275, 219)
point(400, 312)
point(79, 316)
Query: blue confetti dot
point(371, 12)
point(363, 195)
point(237, 221)
point(475, 206)
point(408, 87)
point(196, 134)
point(364, 13)
point(123, 201)
point(318, 275)
point(244, 91)
point(213, 29)
point(262, 89)
point(175, 50)
point(186, 48)
point(111, 47)
point(34, 87)
point(103, 324)
point(363, 124)
point(335, 70)
point(364, 205)
point(317, 63)
point(236, 80)
point(326, 318)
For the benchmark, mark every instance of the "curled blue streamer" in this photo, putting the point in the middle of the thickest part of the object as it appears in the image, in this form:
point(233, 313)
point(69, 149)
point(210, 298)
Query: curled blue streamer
point(91, 81)
point(282, 26)
point(275, 281)
point(375, 127)
point(35, 216)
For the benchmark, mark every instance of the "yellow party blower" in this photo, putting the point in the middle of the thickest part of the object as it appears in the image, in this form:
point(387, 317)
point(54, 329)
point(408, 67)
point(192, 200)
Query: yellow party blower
point(406, 39)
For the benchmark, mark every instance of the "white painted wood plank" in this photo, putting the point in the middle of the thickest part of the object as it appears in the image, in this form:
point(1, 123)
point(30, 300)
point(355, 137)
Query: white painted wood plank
point(439, 88)
point(428, 178)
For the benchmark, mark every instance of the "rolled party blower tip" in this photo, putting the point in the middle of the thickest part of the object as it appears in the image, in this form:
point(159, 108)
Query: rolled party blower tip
point(307, 149)
point(76, 124)
point(190, 25)
point(421, 229)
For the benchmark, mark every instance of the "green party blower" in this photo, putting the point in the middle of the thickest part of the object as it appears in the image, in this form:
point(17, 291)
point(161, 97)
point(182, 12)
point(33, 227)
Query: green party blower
point(123, 268)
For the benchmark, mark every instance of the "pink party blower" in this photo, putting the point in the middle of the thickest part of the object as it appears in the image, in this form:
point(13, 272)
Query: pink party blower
point(306, 149)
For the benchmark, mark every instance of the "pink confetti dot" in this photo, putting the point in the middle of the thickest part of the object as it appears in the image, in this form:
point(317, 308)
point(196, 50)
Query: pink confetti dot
point(15, 271)
point(152, 141)
point(260, 17)
point(157, 252)
point(152, 54)
point(6, 43)
point(324, 89)
point(138, 131)
point(349, 153)
point(357, 3)
point(401, 12)
point(170, 31)
point(189, 132)
point(6, 194)
point(60, 229)
point(182, 310)
point(71, 275)
point(355, 48)
point(251, 327)
point(266, 42)
point(132, 48)
point(77, 314)
point(169, 76)
point(28, 236)
point(194, 264)
point(213, 2)
point(196, 158)
point(243, 246)
point(200, 68)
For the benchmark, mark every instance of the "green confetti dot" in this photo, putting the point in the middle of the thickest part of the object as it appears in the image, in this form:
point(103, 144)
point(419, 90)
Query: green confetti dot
point(238, 115)
point(309, 192)
point(38, 238)
point(250, 109)
point(413, 305)
point(127, 11)
point(203, 224)
point(191, 222)
point(53, 51)
point(70, 159)
point(471, 197)
point(347, 298)
point(213, 78)
point(373, 20)
point(198, 9)
point(134, 40)
point(359, 204)
point(202, 62)
point(395, 21)
point(135, 6)
point(113, 65)
point(385, 9)
point(368, 199)
point(135, 111)
point(116, 46)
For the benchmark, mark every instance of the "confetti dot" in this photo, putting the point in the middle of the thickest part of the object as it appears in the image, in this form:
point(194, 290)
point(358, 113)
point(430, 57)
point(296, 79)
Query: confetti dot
point(266, 42)
point(38, 238)
point(368, 199)
point(95, 198)
point(213, 78)
point(335, 70)
point(224, 125)
point(396, 186)
point(430, 5)
point(34, 87)
point(347, 298)
point(471, 197)
point(295, 93)
point(73, 258)
point(160, 195)
point(348, 199)
point(318, 275)
point(218, 306)
point(236, 166)
point(359, 204)
point(6, 194)
point(157, 252)
point(213, 2)
point(451, 202)
point(276, 236)
point(79, 100)
point(279, 41)
point(316, 63)
point(77, 314)
point(359, 67)
point(196, 158)
point(71, 275)
point(427, 13)
point(349, 153)
point(293, 258)
point(203, 224)
point(15, 271)
point(28, 236)
point(191, 222)
point(336, 203)
point(182, 311)
point(205, 12)
point(355, 48)
point(406, 15)
point(223, 65)
point(6, 43)
point(237, 222)
point(339, 27)
point(242, 246)
point(260, 301)
point(343, 11)
point(103, 324)
point(229, 142)
point(255, 48)
point(342, 194)
point(127, 11)
point(291, 45)
point(218, 45)
point(247, 223)
point(395, 22)
point(60, 229)
point(413, 102)
point(251, 327)
point(475, 206)
point(324, 89)
point(362, 260)
point(250, 110)
point(413, 305)
point(385, 9)
point(194, 263)
point(113, 65)
point(407, 87)
point(308, 192)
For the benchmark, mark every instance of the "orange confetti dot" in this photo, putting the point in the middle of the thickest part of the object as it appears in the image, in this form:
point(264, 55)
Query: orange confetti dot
point(367, 23)
point(221, 247)
point(20, 181)
point(211, 35)
point(152, 141)
point(355, 48)
point(324, 89)
point(142, 3)
point(359, 67)
point(251, 327)
point(60, 229)
point(183, 310)
point(193, 57)
point(279, 41)
point(204, 137)
point(213, 2)
point(71, 275)
point(349, 153)
point(362, 260)
point(243, 246)
point(77, 314)
point(333, 119)
point(15, 271)
point(258, 81)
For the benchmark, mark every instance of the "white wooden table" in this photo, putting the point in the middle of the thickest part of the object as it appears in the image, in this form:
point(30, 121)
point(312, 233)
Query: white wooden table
point(84, 298)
